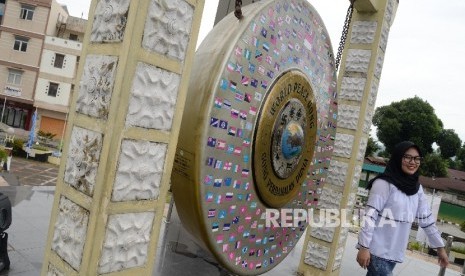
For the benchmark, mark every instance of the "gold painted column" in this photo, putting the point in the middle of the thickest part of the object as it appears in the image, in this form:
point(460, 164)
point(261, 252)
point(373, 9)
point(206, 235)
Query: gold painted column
point(358, 83)
point(122, 135)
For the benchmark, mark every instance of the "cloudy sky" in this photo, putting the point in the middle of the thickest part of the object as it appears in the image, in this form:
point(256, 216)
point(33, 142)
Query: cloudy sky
point(425, 54)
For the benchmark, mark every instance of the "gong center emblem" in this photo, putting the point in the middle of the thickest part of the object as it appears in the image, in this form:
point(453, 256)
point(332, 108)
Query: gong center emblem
point(285, 139)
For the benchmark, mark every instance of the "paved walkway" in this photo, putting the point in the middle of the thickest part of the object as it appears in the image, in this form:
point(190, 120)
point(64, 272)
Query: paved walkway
point(26, 172)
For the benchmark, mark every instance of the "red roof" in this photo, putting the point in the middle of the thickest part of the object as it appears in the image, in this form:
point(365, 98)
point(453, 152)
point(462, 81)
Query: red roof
point(454, 182)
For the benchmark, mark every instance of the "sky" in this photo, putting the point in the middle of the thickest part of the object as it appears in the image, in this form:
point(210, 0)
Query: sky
point(424, 57)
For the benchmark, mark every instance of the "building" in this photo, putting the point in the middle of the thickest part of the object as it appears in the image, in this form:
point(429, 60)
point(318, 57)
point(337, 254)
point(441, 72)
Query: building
point(39, 52)
point(58, 68)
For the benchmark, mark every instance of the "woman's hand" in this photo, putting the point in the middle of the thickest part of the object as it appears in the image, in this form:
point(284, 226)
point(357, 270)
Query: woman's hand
point(363, 257)
point(443, 259)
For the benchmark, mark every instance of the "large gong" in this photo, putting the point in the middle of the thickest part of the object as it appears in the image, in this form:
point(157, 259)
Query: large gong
point(257, 132)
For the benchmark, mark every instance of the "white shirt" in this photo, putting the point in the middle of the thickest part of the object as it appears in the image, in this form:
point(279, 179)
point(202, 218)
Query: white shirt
point(389, 214)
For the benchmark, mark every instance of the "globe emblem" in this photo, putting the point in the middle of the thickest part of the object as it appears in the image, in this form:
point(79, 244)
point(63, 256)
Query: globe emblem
point(292, 140)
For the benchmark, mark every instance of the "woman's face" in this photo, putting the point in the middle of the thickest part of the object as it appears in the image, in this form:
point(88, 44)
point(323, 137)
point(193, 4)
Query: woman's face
point(411, 161)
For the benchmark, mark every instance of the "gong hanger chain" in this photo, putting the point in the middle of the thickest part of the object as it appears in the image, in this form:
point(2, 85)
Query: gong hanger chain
point(345, 31)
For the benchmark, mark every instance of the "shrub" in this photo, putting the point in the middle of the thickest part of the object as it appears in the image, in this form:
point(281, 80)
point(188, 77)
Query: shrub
point(3, 155)
point(414, 246)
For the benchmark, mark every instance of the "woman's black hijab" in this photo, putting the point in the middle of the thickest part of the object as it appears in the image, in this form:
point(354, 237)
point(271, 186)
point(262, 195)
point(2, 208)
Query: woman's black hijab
point(393, 174)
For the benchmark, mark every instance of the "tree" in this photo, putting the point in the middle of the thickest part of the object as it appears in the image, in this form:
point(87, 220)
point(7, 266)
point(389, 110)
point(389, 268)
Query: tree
point(433, 165)
point(372, 147)
point(412, 119)
point(460, 158)
point(449, 143)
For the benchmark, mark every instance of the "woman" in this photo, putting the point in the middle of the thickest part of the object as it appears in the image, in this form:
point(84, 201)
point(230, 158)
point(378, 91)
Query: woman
point(396, 199)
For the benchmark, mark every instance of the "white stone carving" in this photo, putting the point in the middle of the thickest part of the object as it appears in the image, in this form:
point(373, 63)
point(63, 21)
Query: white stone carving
point(379, 64)
point(83, 158)
point(390, 11)
point(97, 86)
point(337, 173)
point(167, 28)
point(343, 236)
point(343, 145)
point(338, 258)
point(126, 241)
point(53, 271)
point(358, 60)
point(362, 148)
point(153, 98)
point(139, 172)
point(324, 233)
point(384, 36)
point(110, 21)
point(352, 88)
point(368, 118)
point(317, 255)
point(348, 116)
point(70, 232)
point(363, 32)
point(356, 179)
point(351, 200)
point(329, 199)
point(373, 93)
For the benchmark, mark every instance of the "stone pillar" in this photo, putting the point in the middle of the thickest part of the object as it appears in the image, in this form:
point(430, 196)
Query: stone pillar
point(119, 149)
point(358, 83)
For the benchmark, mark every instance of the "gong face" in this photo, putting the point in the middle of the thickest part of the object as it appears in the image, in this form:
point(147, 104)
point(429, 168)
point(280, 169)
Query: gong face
point(257, 132)
point(284, 139)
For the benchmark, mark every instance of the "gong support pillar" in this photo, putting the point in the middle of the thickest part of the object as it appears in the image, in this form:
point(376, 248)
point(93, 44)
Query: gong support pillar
point(124, 125)
point(358, 83)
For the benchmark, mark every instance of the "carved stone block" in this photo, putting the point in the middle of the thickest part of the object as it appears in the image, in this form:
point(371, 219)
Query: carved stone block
point(167, 28)
point(337, 173)
point(352, 89)
point(70, 232)
point(363, 32)
point(97, 86)
point(362, 148)
point(139, 172)
point(338, 258)
point(110, 21)
point(329, 199)
point(126, 241)
point(348, 116)
point(343, 145)
point(317, 255)
point(358, 60)
point(379, 64)
point(356, 179)
point(153, 98)
point(83, 159)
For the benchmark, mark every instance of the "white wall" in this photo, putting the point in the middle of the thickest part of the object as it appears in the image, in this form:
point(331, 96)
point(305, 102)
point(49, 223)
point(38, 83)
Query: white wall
point(48, 58)
point(62, 97)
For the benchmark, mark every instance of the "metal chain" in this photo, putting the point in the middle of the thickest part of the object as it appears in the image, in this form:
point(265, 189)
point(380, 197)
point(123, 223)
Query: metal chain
point(238, 10)
point(345, 31)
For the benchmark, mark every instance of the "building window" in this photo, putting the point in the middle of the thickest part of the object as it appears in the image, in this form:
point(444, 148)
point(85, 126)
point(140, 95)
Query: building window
point(52, 89)
point(14, 76)
point(21, 43)
point(27, 12)
point(73, 37)
point(59, 59)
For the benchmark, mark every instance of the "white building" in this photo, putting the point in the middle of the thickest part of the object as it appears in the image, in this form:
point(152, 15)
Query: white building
point(57, 74)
